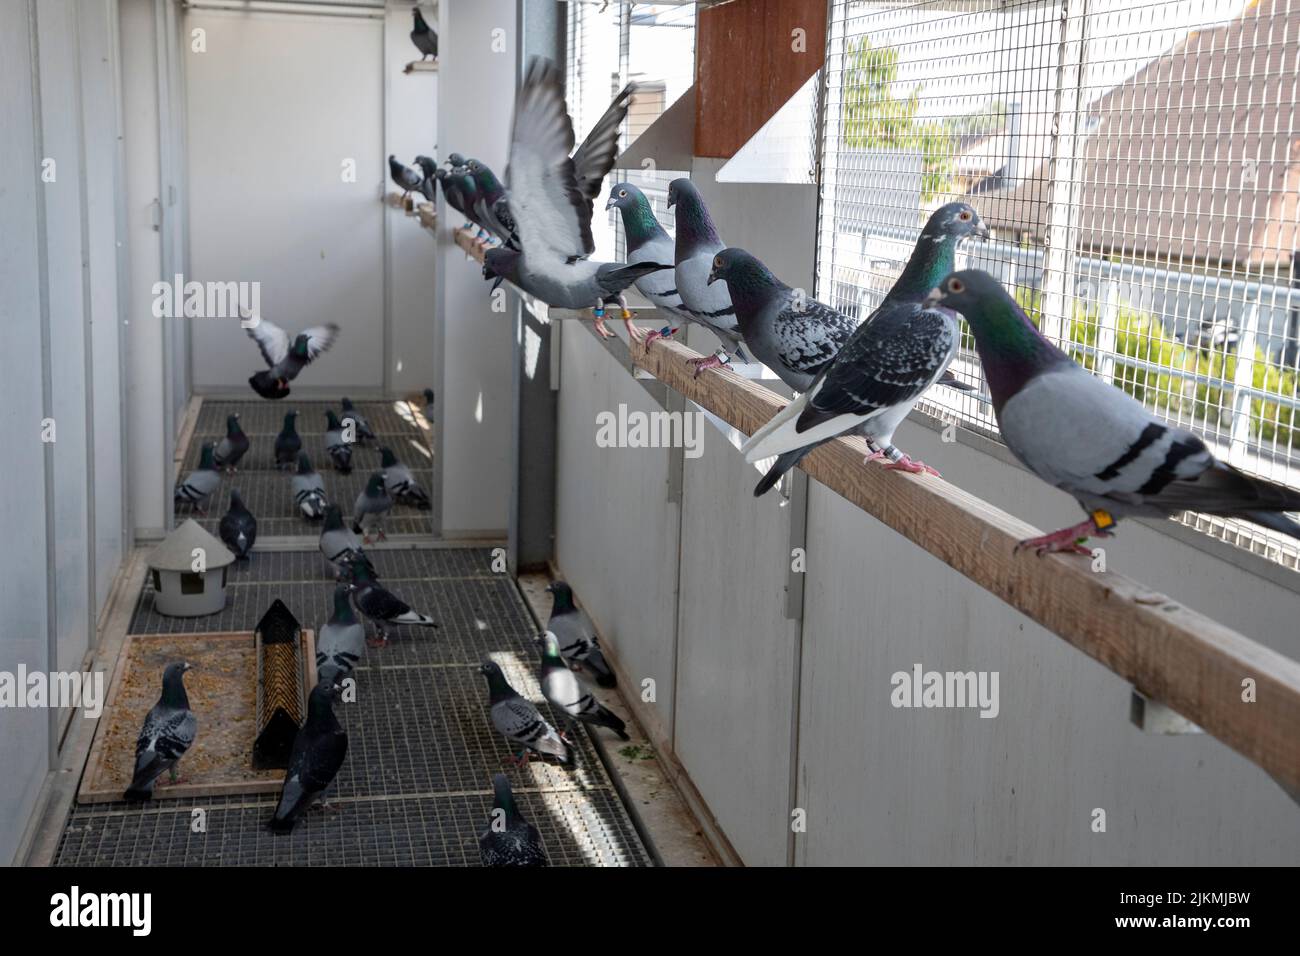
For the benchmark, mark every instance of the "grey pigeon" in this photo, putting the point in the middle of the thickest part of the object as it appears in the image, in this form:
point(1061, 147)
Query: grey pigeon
point(696, 244)
point(519, 721)
point(309, 490)
point(288, 443)
point(428, 405)
point(200, 484)
point(561, 687)
point(381, 606)
point(509, 839)
point(491, 205)
point(317, 755)
point(551, 198)
point(238, 527)
point(406, 177)
point(231, 448)
point(424, 36)
point(1091, 439)
point(361, 427)
point(901, 350)
point(342, 640)
point(577, 635)
point(286, 357)
point(336, 444)
point(400, 483)
point(429, 185)
point(648, 242)
point(373, 502)
point(168, 732)
point(339, 545)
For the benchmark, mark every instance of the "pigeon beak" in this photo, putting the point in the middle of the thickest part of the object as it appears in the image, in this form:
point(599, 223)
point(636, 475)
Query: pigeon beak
point(672, 200)
point(550, 589)
point(609, 205)
point(934, 298)
point(981, 230)
point(496, 285)
point(187, 666)
point(713, 277)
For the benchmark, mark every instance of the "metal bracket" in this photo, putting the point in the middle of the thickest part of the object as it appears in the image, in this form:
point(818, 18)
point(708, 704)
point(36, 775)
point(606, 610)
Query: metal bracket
point(1154, 717)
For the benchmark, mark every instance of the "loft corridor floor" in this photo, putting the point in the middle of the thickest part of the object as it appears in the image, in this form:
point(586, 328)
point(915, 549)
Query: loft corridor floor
point(415, 788)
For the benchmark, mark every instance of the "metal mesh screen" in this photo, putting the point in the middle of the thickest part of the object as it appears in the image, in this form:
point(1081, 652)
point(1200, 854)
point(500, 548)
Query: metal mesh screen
point(1136, 163)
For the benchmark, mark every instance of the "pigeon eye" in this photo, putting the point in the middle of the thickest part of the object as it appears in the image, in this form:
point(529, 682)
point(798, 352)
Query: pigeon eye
point(955, 285)
point(717, 262)
point(965, 217)
point(622, 194)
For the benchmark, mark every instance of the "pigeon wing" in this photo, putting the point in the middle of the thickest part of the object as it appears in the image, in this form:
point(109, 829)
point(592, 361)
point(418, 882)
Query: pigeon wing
point(320, 338)
point(808, 337)
point(595, 157)
point(270, 338)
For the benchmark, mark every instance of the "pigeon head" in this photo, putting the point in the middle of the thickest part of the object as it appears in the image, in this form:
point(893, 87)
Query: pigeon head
point(956, 220)
point(456, 159)
point(563, 595)
point(205, 456)
point(428, 395)
point(419, 20)
point(639, 222)
point(173, 684)
point(232, 425)
point(236, 500)
point(428, 165)
point(304, 464)
point(548, 644)
point(332, 420)
point(288, 421)
point(375, 486)
point(694, 224)
point(386, 457)
point(320, 703)
point(347, 404)
point(739, 269)
point(300, 346)
point(625, 196)
point(503, 797)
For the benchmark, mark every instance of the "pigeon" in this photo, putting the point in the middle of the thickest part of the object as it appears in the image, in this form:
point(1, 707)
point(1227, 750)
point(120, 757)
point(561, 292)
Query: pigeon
point(561, 687)
point(491, 205)
point(509, 839)
point(238, 527)
point(648, 242)
point(459, 191)
point(428, 405)
point(577, 635)
point(399, 483)
point(168, 732)
point(200, 484)
point(551, 198)
point(696, 245)
point(231, 448)
point(373, 501)
point(285, 357)
point(309, 490)
point(519, 721)
point(406, 177)
point(888, 362)
point(339, 545)
point(428, 184)
point(342, 640)
point(360, 427)
point(337, 445)
point(1092, 440)
point(317, 755)
point(424, 36)
point(381, 606)
point(287, 443)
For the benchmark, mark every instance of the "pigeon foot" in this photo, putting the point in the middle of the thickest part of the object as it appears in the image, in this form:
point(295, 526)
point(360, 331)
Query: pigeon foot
point(911, 467)
point(700, 364)
point(667, 332)
point(380, 641)
point(1070, 540)
point(600, 324)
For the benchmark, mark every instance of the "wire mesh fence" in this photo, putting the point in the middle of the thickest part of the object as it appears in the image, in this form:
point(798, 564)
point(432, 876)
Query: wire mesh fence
point(1138, 165)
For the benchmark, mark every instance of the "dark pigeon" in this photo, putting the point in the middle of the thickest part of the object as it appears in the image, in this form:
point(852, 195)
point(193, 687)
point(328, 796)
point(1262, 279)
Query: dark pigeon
point(238, 527)
point(168, 732)
point(318, 753)
point(509, 839)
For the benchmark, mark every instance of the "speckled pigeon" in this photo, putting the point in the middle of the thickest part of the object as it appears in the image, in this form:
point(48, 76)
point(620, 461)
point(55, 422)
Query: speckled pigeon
point(577, 636)
point(318, 753)
point(342, 641)
point(888, 362)
point(561, 687)
point(519, 721)
point(309, 490)
point(231, 448)
point(1091, 439)
point(168, 732)
point(382, 607)
point(201, 483)
point(238, 527)
point(509, 839)
point(286, 357)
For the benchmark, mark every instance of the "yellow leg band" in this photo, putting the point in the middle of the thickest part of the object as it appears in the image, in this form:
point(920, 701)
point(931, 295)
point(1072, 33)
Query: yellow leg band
point(1102, 519)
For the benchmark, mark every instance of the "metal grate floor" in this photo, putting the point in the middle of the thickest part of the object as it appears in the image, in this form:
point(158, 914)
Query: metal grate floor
point(416, 786)
point(268, 491)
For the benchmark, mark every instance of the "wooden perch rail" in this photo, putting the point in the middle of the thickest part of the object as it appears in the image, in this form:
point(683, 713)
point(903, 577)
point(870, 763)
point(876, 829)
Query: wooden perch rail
point(1168, 652)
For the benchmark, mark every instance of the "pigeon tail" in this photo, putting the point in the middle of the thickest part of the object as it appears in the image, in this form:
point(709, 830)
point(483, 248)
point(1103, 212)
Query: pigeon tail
point(137, 794)
point(784, 463)
point(1273, 520)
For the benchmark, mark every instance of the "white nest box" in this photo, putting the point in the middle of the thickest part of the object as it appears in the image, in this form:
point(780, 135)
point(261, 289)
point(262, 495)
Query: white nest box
point(189, 572)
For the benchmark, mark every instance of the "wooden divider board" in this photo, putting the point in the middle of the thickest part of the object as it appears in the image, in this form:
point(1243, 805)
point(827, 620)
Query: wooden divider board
point(223, 696)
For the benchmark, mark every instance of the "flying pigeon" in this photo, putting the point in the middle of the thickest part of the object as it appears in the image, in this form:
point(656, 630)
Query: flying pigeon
point(342, 640)
point(561, 687)
point(888, 362)
point(336, 444)
point(317, 755)
point(200, 484)
point(285, 357)
point(551, 198)
point(238, 527)
point(648, 242)
point(509, 839)
point(428, 405)
point(168, 732)
point(381, 606)
point(375, 502)
point(309, 490)
point(406, 177)
point(339, 545)
point(231, 448)
point(287, 443)
point(361, 427)
point(519, 721)
point(577, 635)
point(400, 484)
point(1092, 440)
point(696, 245)
point(424, 36)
